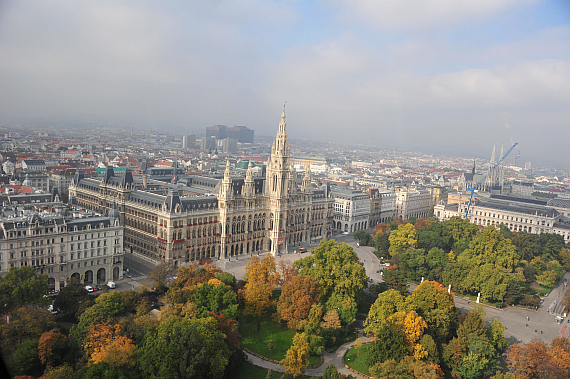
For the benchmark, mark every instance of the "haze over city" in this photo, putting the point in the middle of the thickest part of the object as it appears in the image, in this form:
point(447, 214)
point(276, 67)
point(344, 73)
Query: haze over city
point(449, 77)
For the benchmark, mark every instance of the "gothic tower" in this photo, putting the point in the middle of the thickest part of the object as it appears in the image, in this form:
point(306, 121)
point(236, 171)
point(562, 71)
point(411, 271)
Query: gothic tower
point(277, 186)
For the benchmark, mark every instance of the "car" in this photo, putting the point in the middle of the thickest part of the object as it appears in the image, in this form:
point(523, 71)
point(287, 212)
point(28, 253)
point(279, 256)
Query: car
point(302, 250)
point(95, 288)
point(111, 285)
point(89, 289)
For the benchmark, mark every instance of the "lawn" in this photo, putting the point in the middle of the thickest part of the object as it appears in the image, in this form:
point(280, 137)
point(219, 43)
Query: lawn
point(249, 371)
point(357, 360)
point(258, 340)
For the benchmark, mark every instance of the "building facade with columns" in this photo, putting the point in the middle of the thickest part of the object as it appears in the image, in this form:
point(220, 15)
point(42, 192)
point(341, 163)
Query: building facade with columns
point(239, 216)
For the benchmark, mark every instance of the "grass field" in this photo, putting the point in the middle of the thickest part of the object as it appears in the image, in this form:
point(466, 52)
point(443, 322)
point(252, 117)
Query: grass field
point(258, 340)
point(249, 371)
point(356, 361)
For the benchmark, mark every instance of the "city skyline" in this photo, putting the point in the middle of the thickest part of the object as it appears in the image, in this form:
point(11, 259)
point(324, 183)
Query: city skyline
point(450, 78)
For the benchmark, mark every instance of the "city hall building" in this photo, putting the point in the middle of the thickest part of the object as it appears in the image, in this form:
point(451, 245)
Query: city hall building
point(234, 216)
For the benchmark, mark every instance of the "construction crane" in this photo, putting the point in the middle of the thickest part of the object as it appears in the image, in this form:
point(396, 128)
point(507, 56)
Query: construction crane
point(474, 188)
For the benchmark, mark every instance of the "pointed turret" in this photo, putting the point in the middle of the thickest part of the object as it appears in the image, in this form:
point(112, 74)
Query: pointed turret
point(226, 188)
point(248, 189)
point(307, 187)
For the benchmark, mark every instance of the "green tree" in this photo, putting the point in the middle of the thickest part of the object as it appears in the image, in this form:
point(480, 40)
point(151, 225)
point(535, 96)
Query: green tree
point(340, 275)
point(389, 343)
point(297, 357)
point(385, 306)
point(459, 232)
point(26, 322)
point(184, 348)
point(227, 278)
point(495, 335)
point(396, 280)
point(23, 286)
point(215, 298)
point(107, 307)
point(25, 359)
point(71, 297)
point(490, 247)
point(481, 359)
point(382, 244)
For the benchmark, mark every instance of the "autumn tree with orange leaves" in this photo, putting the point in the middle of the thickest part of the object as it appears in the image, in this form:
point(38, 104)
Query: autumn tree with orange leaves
point(540, 360)
point(262, 277)
point(52, 348)
point(106, 343)
point(297, 298)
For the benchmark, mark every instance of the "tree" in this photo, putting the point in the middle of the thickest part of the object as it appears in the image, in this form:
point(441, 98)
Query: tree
point(413, 327)
point(106, 343)
point(286, 270)
point(184, 348)
point(459, 233)
point(386, 305)
point(495, 335)
point(25, 322)
point(357, 345)
point(160, 274)
point(60, 372)
point(262, 277)
point(405, 236)
point(107, 307)
point(382, 244)
point(396, 279)
point(71, 297)
point(219, 298)
point(340, 275)
point(25, 359)
point(23, 286)
point(481, 359)
point(296, 299)
point(389, 343)
point(52, 348)
point(331, 320)
point(490, 247)
point(539, 360)
point(437, 307)
point(297, 357)
point(227, 278)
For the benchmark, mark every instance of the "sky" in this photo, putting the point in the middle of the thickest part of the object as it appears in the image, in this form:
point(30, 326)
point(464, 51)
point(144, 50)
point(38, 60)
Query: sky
point(437, 76)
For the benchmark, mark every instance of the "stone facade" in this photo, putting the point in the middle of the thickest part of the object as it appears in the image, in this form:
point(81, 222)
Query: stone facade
point(88, 247)
point(238, 216)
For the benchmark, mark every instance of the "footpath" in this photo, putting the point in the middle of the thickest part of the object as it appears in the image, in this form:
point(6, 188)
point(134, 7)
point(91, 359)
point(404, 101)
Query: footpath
point(336, 358)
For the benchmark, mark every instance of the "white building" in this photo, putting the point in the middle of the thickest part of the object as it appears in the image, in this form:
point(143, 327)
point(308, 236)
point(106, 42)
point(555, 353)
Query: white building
point(524, 215)
point(351, 210)
point(413, 203)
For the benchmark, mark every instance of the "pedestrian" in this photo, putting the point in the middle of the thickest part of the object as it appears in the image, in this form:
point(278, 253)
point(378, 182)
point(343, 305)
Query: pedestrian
point(527, 318)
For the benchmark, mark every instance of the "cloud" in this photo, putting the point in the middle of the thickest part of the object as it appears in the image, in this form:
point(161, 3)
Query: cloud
point(419, 14)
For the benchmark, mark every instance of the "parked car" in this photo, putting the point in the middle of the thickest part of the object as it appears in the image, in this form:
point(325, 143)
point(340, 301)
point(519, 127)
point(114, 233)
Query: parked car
point(302, 250)
point(89, 288)
point(111, 285)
